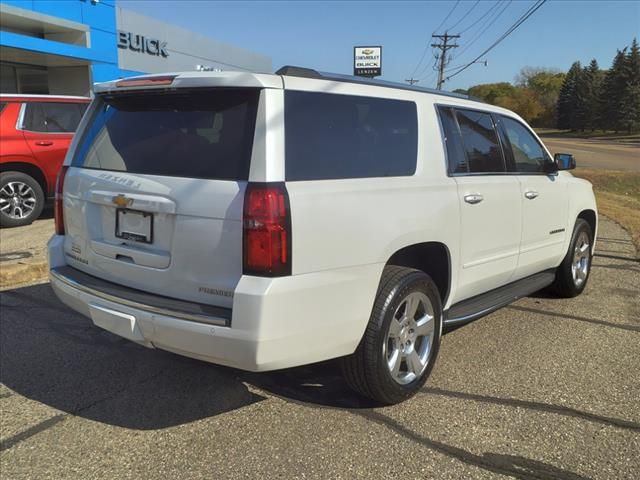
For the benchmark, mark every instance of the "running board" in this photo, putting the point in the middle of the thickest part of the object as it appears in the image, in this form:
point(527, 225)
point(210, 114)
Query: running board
point(485, 303)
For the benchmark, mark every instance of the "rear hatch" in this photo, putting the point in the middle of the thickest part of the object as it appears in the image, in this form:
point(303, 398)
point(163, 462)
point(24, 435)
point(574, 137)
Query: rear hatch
point(154, 193)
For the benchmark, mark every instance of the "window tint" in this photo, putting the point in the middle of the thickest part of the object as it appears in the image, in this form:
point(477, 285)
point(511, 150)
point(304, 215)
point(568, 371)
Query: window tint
point(332, 136)
point(480, 142)
point(198, 135)
point(2, 105)
point(528, 154)
point(455, 152)
point(53, 117)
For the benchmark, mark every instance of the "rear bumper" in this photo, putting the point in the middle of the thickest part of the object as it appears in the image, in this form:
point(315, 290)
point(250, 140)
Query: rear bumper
point(274, 323)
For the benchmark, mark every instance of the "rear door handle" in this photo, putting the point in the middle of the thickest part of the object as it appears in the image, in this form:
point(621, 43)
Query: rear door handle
point(531, 194)
point(473, 198)
point(44, 143)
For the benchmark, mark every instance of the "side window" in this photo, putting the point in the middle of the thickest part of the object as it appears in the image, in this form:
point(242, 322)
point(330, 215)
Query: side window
point(53, 117)
point(330, 136)
point(2, 105)
point(62, 117)
point(480, 141)
point(34, 118)
point(456, 158)
point(528, 154)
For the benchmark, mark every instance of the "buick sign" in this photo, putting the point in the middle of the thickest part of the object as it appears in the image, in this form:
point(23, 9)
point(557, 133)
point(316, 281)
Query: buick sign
point(142, 44)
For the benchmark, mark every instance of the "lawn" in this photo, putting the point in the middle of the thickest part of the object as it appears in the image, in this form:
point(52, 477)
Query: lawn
point(621, 137)
point(618, 197)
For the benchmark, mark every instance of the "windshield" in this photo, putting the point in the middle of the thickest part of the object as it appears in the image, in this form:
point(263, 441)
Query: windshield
point(199, 134)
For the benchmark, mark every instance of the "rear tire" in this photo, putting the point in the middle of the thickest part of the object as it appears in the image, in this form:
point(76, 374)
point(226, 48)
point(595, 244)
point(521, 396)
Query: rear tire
point(401, 342)
point(573, 272)
point(21, 199)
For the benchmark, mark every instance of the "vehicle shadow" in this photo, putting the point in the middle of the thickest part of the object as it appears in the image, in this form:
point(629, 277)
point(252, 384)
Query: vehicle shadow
point(59, 358)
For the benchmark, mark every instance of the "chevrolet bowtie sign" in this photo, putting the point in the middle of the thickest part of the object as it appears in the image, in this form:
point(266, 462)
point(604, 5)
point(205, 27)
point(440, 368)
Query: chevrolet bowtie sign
point(142, 44)
point(367, 61)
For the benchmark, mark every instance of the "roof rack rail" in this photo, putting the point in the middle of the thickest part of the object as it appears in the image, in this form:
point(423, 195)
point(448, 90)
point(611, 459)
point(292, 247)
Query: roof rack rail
point(294, 71)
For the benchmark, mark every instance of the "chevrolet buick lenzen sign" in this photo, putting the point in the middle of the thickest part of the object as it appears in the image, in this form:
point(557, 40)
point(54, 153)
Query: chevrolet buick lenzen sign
point(367, 61)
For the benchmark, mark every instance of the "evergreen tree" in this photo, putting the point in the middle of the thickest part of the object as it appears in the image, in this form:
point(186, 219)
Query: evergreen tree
point(630, 108)
point(588, 96)
point(568, 98)
point(612, 94)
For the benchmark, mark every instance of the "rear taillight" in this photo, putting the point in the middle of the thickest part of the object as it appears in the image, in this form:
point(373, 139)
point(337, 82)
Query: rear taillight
point(266, 230)
point(58, 202)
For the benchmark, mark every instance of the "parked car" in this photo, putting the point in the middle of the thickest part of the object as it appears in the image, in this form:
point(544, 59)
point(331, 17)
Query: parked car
point(35, 133)
point(268, 221)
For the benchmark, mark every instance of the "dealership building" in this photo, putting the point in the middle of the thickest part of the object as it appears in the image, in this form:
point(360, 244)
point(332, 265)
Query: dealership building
point(63, 47)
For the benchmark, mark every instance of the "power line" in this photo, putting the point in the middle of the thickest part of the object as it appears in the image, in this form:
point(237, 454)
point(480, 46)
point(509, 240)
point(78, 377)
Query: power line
point(426, 48)
point(485, 26)
point(481, 17)
point(518, 22)
point(445, 18)
point(464, 16)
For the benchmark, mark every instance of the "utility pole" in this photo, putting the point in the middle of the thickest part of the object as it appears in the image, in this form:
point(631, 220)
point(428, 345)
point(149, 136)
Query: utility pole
point(444, 45)
point(411, 81)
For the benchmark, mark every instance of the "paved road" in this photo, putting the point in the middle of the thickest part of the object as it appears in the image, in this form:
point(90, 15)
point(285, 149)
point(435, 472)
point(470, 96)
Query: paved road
point(597, 153)
point(545, 388)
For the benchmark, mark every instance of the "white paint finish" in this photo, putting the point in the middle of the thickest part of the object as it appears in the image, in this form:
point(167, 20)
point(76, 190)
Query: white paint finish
point(343, 231)
point(277, 323)
point(197, 230)
point(547, 212)
point(116, 322)
point(489, 233)
point(267, 159)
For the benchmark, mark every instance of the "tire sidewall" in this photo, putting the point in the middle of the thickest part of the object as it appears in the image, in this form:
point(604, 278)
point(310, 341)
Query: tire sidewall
point(415, 282)
point(580, 226)
point(6, 177)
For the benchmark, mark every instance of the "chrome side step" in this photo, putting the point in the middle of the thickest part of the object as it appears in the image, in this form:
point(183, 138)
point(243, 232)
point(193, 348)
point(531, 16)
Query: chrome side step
point(484, 304)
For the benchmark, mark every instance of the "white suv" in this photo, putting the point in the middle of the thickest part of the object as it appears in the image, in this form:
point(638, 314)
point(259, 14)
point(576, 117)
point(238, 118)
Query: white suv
point(267, 221)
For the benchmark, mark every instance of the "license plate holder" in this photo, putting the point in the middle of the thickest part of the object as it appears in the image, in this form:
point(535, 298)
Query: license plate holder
point(134, 225)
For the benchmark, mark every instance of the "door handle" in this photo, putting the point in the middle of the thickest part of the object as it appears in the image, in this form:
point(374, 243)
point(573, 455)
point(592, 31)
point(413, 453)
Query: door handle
point(531, 194)
point(473, 198)
point(44, 143)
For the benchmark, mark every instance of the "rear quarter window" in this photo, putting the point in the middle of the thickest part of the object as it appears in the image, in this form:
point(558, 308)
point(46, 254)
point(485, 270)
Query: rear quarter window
point(53, 117)
point(330, 136)
point(199, 134)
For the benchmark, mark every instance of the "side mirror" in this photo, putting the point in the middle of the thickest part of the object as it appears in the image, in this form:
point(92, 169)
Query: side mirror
point(564, 161)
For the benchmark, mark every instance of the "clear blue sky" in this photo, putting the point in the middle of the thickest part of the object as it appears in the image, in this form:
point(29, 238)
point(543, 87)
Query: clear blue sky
point(321, 35)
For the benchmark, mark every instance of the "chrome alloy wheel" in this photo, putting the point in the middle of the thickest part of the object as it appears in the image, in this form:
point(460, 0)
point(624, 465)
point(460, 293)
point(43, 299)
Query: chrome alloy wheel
point(581, 259)
point(17, 200)
point(407, 346)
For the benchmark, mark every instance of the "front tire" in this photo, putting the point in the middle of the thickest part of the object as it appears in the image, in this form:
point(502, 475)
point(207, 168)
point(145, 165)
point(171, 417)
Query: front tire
point(401, 342)
point(21, 199)
point(573, 272)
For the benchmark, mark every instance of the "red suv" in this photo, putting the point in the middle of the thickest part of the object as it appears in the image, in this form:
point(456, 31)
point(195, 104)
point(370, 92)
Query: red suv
point(35, 133)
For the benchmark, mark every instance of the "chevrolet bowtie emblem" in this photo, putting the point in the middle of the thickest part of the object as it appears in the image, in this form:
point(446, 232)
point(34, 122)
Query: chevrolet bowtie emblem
point(122, 201)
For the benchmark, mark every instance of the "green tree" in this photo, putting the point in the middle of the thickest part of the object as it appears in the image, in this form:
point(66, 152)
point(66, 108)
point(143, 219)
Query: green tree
point(630, 111)
point(612, 94)
point(545, 83)
point(568, 98)
point(587, 96)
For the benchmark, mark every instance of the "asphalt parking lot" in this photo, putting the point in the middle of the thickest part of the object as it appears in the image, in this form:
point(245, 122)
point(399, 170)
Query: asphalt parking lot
point(545, 388)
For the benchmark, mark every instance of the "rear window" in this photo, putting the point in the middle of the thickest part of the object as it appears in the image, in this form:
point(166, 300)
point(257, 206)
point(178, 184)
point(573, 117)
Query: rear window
point(329, 136)
point(207, 134)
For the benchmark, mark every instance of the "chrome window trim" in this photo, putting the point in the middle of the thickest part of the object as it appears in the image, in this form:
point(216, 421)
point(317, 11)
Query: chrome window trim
point(141, 306)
